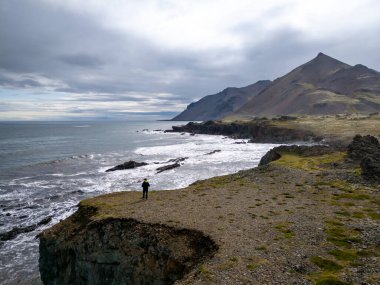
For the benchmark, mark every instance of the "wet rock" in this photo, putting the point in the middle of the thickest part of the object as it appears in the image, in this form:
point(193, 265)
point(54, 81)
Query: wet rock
point(212, 152)
point(127, 165)
point(13, 233)
point(179, 159)
point(303, 150)
point(167, 167)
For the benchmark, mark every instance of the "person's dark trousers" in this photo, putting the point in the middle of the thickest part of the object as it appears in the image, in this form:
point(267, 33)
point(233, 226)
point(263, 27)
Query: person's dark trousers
point(145, 194)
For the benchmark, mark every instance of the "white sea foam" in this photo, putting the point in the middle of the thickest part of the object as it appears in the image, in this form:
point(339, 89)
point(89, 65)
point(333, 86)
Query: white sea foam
point(57, 191)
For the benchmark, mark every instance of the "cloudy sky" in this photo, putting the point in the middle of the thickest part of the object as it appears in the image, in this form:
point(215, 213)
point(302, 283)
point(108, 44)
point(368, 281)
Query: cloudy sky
point(133, 59)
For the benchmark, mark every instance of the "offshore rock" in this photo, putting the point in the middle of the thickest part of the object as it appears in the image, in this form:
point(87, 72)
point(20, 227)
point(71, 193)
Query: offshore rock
point(115, 251)
point(167, 167)
point(127, 165)
point(13, 233)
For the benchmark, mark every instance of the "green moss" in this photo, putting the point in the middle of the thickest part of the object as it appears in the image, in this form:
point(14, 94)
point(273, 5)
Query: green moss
point(374, 216)
point(326, 264)
point(353, 196)
point(342, 185)
point(341, 236)
point(252, 266)
point(343, 213)
point(358, 215)
point(347, 255)
point(330, 281)
point(311, 163)
point(283, 228)
point(262, 248)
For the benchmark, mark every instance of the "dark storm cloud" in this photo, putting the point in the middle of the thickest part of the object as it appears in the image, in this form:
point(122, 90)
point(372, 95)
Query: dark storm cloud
point(48, 48)
point(81, 60)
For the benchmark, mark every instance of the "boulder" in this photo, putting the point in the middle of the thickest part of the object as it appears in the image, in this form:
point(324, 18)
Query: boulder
point(212, 152)
point(13, 233)
point(167, 167)
point(366, 150)
point(127, 165)
point(362, 146)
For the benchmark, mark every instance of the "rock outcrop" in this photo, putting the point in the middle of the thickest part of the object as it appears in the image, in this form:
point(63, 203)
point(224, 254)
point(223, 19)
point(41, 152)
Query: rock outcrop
point(168, 167)
point(13, 233)
point(258, 131)
point(127, 165)
point(118, 251)
point(366, 150)
point(303, 150)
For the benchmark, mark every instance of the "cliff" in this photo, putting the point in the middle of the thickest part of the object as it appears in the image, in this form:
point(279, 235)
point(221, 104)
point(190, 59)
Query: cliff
point(308, 217)
point(337, 130)
point(259, 131)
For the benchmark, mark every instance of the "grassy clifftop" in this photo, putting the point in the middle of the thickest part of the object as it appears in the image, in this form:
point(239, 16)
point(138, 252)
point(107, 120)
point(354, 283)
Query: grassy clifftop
point(338, 129)
point(298, 220)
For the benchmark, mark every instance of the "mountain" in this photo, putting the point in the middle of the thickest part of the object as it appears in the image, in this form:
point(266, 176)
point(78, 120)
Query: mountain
point(222, 104)
point(321, 86)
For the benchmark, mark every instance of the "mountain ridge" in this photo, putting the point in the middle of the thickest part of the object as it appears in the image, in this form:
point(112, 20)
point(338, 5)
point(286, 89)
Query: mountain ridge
point(321, 86)
point(219, 105)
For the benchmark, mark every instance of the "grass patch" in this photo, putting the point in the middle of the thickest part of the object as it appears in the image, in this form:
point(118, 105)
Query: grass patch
point(358, 215)
point(252, 266)
point(330, 281)
point(261, 248)
point(374, 215)
point(326, 264)
point(341, 236)
point(345, 255)
point(311, 163)
point(284, 228)
point(353, 196)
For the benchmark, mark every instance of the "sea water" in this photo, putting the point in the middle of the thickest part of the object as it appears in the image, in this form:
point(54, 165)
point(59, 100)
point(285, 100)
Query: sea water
point(46, 168)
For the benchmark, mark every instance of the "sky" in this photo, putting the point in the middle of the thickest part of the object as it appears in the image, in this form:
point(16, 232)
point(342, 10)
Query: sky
point(149, 59)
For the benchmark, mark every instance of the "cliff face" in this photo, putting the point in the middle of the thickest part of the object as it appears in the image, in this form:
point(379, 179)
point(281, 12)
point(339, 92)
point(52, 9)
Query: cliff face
point(118, 251)
point(260, 131)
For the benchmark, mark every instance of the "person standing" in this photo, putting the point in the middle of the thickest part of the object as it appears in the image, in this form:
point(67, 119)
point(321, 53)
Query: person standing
point(145, 185)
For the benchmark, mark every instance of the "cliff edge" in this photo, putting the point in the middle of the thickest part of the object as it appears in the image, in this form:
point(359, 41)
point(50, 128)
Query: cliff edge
point(303, 218)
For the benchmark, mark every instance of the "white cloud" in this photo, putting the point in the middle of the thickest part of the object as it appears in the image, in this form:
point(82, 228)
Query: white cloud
point(212, 24)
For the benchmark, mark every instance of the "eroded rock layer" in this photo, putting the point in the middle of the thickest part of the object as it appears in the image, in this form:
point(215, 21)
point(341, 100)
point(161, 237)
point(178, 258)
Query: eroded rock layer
point(118, 251)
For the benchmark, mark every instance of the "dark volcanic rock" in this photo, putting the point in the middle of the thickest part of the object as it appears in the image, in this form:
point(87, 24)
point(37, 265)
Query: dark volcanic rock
point(13, 233)
point(127, 165)
point(167, 167)
point(179, 159)
point(370, 166)
point(120, 251)
point(366, 149)
point(212, 152)
point(258, 131)
point(362, 146)
point(303, 150)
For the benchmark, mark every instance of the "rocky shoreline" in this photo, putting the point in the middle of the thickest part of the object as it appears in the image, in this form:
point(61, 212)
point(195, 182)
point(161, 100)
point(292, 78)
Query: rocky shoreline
point(307, 215)
point(257, 131)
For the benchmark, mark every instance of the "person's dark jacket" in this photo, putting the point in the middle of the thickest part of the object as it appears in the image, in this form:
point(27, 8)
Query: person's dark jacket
point(145, 185)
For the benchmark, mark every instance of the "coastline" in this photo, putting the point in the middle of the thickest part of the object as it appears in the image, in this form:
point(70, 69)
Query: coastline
point(277, 223)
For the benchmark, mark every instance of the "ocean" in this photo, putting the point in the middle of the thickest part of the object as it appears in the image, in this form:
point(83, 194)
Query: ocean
point(48, 167)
